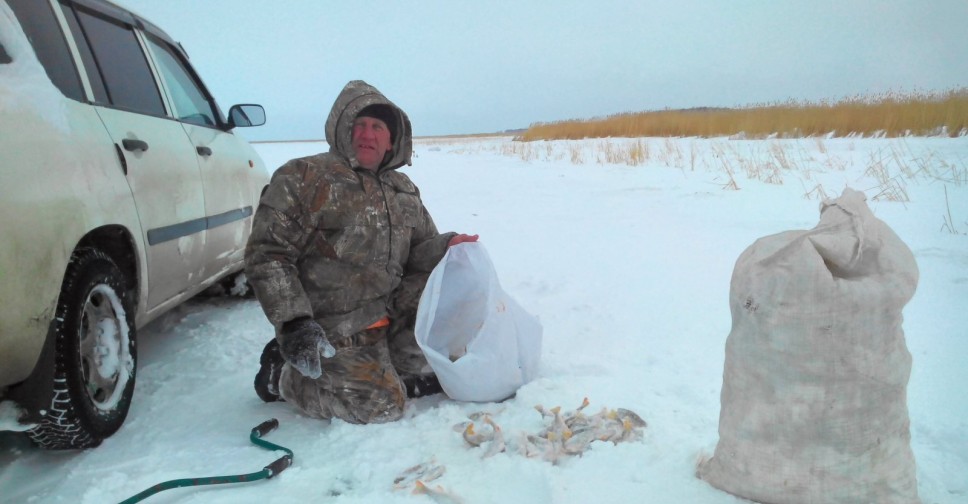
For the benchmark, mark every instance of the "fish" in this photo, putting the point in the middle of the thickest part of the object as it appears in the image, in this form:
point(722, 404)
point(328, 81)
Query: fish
point(475, 438)
point(634, 418)
point(437, 493)
point(497, 444)
point(426, 471)
point(559, 429)
point(542, 447)
point(577, 413)
point(567, 433)
point(558, 423)
point(542, 410)
point(479, 415)
point(577, 443)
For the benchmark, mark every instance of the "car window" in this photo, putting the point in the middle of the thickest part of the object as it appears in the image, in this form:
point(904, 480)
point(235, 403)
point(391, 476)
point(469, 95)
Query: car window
point(42, 29)
point(90, 67)
point(128, 79)
point(190, 103)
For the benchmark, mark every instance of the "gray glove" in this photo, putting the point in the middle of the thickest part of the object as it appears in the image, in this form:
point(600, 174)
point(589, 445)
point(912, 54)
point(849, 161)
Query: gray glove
point(302, 341)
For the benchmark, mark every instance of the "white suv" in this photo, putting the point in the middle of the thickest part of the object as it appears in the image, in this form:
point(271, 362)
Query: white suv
point(124, 191)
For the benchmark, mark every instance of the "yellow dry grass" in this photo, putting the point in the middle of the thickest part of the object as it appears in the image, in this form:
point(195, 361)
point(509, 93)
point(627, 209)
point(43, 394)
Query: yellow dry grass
point(889, 115)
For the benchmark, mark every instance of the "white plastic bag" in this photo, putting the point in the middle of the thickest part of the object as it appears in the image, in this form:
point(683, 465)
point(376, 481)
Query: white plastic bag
point(481, 344)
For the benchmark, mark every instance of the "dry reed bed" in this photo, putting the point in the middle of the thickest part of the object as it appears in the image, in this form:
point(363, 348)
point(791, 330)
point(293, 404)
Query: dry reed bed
point(889, 115)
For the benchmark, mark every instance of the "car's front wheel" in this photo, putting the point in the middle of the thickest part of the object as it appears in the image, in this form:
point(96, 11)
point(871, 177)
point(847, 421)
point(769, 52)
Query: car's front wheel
point(95, 357)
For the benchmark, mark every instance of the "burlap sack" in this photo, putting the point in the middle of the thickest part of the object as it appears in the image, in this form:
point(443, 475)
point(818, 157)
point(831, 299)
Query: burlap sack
point(814, 398)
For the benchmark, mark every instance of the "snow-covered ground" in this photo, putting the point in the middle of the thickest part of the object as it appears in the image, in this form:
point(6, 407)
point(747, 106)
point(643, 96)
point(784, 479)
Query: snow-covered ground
point(627, 267)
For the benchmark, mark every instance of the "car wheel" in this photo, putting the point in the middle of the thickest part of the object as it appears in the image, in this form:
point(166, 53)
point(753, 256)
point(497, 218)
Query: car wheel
point(95, 358)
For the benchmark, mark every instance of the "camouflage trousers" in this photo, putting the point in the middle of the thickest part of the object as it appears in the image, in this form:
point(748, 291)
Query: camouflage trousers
point(359, 384)
point(363, 382)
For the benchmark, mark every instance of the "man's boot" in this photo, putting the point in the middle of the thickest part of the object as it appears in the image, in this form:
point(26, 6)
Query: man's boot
point(419, 386)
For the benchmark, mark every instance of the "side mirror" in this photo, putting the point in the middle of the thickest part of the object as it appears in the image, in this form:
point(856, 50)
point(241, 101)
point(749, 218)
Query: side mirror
point(246, 115)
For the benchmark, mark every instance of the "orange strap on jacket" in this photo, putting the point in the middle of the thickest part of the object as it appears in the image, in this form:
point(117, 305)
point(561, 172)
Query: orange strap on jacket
point(383, 322)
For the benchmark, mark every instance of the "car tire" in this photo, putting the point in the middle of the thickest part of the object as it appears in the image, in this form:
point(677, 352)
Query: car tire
point(95, 355)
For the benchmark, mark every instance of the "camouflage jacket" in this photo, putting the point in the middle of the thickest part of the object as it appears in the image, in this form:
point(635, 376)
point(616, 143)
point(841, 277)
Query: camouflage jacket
point(331, 239)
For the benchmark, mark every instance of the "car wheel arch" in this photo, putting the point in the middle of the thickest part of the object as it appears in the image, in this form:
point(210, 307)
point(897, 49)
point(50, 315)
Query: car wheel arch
point(118, 243)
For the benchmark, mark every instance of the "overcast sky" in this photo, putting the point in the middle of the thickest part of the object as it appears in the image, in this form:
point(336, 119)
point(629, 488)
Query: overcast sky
point(485, 66)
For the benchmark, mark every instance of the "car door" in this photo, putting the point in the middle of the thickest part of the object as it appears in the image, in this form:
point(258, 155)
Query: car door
point(160, 163)
point(225, 168)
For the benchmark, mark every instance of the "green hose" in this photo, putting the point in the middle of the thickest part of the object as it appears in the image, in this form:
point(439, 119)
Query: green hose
point(267, 472)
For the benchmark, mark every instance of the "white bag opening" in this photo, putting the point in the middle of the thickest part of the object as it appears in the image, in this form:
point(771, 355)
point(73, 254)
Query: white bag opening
point(481, 344)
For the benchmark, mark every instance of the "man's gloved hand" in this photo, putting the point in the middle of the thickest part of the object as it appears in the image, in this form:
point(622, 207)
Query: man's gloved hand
point(302, 341)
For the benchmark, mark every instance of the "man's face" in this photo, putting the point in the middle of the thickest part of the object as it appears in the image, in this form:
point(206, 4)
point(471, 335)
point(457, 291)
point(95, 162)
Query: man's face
point(371, 141)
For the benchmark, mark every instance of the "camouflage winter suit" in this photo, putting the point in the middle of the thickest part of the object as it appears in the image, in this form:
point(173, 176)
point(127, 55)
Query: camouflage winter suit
point(347, 246)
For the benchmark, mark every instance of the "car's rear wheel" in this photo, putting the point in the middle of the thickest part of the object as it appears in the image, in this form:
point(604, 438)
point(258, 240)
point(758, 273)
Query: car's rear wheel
point(95, 356)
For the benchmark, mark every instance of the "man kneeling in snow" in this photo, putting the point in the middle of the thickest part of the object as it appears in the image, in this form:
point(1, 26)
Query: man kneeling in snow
point(340, 250)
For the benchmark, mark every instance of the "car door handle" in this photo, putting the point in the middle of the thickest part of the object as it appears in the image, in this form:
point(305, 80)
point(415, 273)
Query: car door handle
point(203, 151)
point(134, 145)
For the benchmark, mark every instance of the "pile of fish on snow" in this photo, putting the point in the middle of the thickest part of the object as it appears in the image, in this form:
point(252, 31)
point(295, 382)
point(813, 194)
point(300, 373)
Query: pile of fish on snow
point(567, 434)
